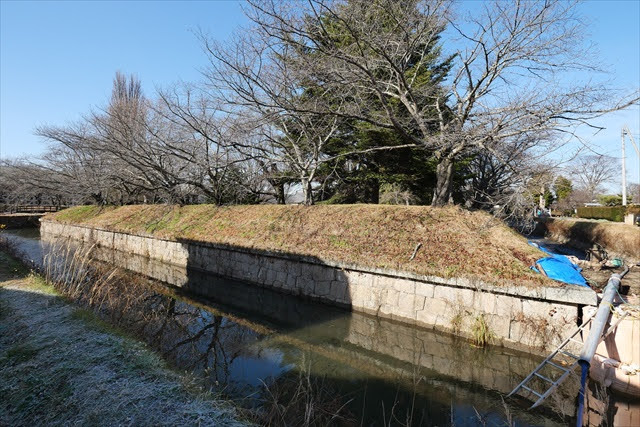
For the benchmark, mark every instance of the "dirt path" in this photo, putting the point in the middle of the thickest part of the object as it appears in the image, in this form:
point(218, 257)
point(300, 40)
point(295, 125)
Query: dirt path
point(60, 365)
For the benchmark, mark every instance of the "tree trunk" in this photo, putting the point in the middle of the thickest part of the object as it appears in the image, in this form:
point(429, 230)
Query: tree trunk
point(444, 181)
point(280, 194)
point(371, 191)
point(307, 193)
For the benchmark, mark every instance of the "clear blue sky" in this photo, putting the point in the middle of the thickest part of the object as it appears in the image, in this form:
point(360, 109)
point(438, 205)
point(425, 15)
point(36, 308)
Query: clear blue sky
point(58, 59)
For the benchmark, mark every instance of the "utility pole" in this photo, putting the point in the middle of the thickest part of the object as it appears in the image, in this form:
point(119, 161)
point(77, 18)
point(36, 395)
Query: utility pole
point(625, 130)
point(624, 173)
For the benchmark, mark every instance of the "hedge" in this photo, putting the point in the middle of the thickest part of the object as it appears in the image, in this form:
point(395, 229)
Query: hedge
point(611, 213)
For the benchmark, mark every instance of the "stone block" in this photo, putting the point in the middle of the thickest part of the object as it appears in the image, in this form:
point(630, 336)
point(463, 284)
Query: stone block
point(485, 302)
point(373, 299)
point(306, 287)
point(425, 289)
point(359, 295)
point(322, 288)
point(294, 269)
point(434, 312)
point(358, 278)
point(526, 333)
point(291, 283)
point(281, 278)
point(465, 297)
point(570, 294)
point(390, 299)
point(321, 273)
point(403, 285)
point(306, 272)
point(508, 306)
point(537, 309)
point(418, 302)
point(406, 305)
point(498, 325)
point(459, 296)
point(271, 275)
point(443, 292)
point(339, 291)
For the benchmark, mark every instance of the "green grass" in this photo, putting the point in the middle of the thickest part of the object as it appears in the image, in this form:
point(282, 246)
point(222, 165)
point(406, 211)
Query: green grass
point(19, 353)
point(81, 213)
point(481, 332)
point(92, 321)
point(338, 242)
point(38, 284)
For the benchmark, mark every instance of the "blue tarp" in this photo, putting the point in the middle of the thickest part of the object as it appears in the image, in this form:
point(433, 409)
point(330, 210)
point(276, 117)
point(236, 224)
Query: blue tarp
point(559, 267)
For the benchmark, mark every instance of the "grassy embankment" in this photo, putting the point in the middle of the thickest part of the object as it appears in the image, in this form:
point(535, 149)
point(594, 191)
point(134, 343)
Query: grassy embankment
point(616, 238)
point(61, 365)
point(455, 242)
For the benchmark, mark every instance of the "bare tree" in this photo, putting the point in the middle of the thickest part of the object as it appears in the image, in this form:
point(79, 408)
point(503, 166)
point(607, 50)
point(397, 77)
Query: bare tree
point(207, 141)
point(26, 182)
point(256, 76)
point(278, 96)
point(507, 91)
point(590, 173)
point(633, 190)
point(506, 88)
point(138, 150)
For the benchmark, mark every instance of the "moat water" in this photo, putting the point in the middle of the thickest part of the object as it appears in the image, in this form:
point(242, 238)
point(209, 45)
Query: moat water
point(277, 352)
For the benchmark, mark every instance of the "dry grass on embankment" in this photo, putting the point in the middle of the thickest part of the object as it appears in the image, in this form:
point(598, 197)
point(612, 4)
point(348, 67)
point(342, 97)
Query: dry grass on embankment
point(60, 365)
point(617, 238)
point(455, 242)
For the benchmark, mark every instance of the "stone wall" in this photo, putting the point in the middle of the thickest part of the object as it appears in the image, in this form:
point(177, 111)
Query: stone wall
point(517, 316)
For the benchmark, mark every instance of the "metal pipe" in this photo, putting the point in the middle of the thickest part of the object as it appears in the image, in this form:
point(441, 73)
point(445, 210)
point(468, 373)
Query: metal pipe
point(597, 328)
point(602, 315)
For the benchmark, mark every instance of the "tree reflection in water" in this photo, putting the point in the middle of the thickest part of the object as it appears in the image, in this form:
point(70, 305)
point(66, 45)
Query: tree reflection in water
point(296, 360)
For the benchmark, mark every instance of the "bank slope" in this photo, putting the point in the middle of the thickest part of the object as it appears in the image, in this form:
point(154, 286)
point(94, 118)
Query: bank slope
point(454, 242)
point(60, 365)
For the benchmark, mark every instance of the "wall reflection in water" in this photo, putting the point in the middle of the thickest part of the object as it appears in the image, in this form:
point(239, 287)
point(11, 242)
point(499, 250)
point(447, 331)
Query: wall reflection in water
point(238, 338)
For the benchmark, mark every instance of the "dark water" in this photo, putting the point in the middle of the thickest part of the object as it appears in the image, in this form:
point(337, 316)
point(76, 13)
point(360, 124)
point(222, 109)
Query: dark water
point(259, 347)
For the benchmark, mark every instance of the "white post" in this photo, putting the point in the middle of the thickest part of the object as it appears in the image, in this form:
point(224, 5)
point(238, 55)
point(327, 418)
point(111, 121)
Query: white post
point(633, 142)
point(624, 174)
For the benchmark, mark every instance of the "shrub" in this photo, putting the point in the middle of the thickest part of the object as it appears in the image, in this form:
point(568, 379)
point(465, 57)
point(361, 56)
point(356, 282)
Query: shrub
point(482, 334)
point(612, 199)
point(633, 209)
point(611, 213)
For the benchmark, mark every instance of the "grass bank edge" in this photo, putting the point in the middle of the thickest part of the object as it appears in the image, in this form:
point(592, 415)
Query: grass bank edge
point(141, 358)
point(454, 242)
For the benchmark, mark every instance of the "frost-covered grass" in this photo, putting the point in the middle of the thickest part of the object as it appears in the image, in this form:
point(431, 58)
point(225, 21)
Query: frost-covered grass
point(61, 365)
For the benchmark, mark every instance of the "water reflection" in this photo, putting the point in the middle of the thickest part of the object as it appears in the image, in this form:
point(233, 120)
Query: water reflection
point(239, 338)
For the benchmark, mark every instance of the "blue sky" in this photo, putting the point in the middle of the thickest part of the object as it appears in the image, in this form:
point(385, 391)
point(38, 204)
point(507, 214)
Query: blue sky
point(58, 59)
